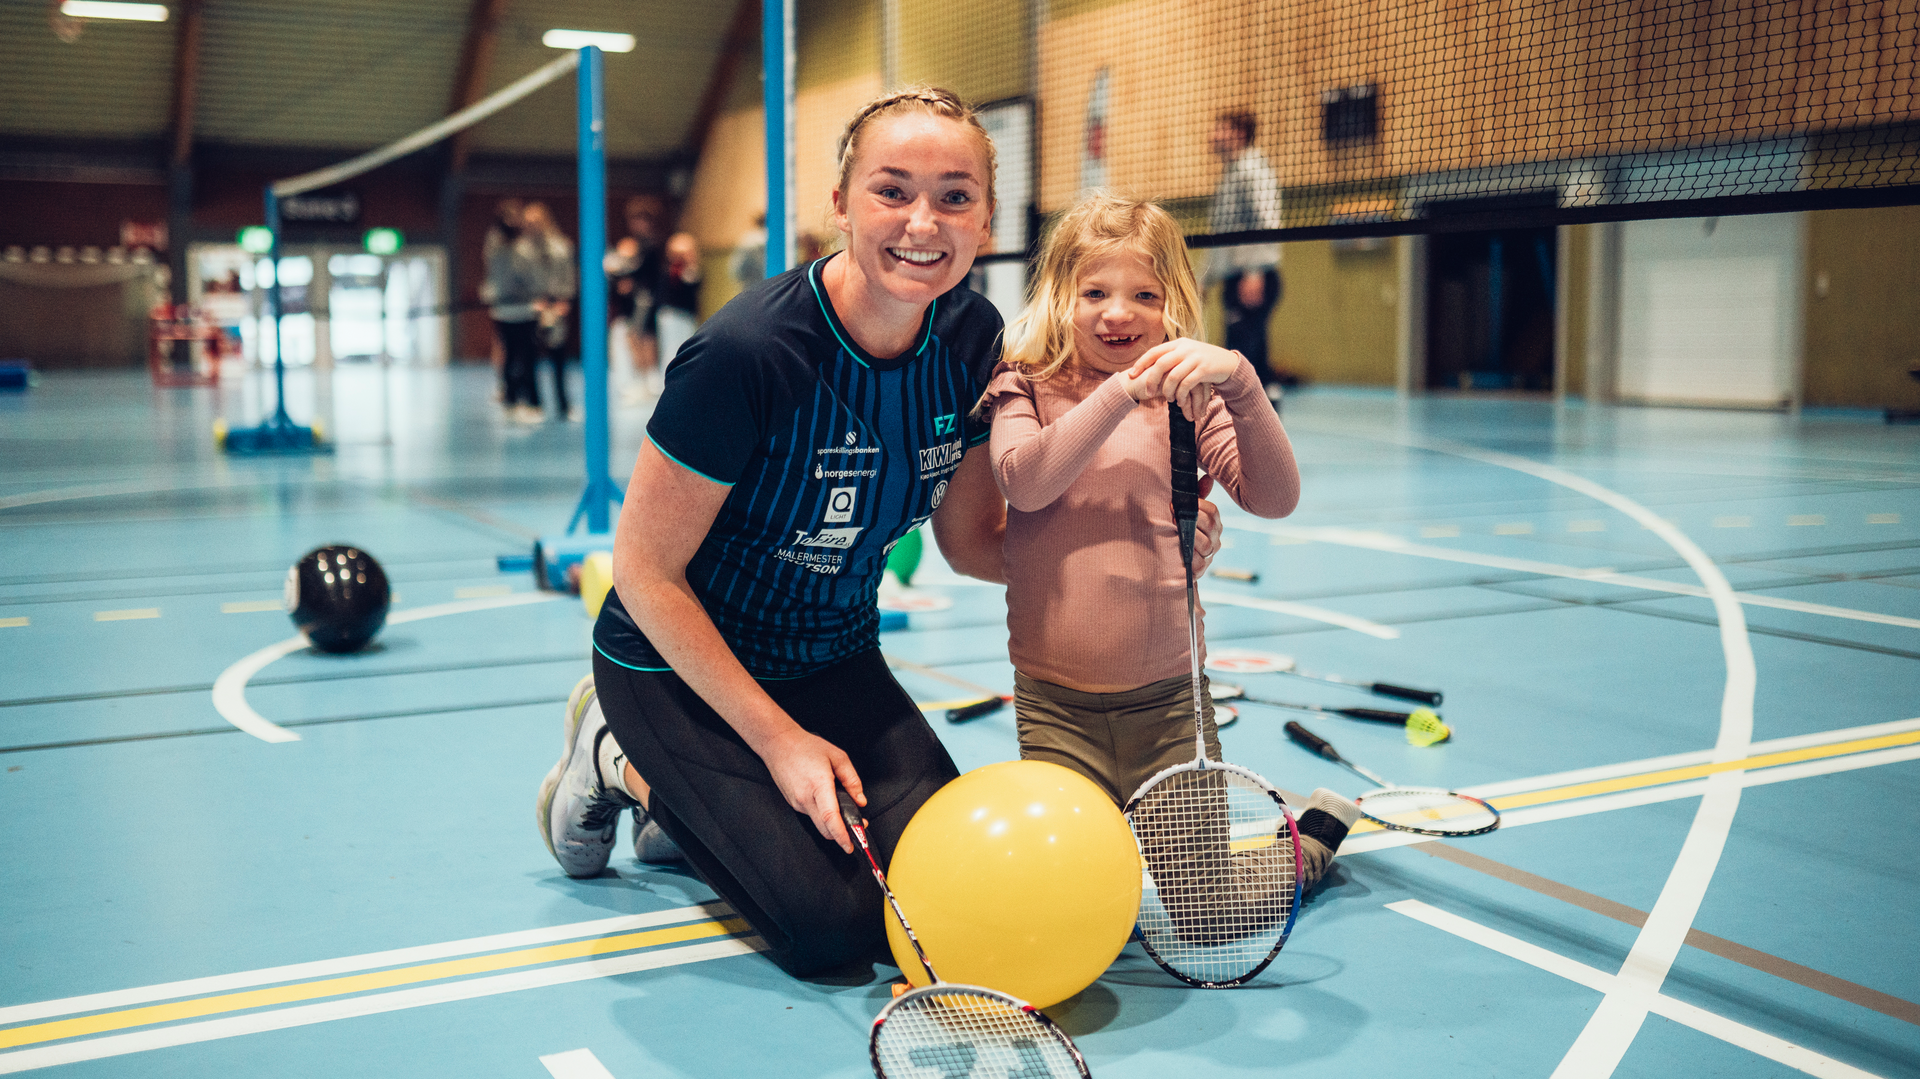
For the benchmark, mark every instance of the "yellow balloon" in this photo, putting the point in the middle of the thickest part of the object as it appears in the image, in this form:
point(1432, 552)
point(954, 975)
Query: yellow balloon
point(1022, 877)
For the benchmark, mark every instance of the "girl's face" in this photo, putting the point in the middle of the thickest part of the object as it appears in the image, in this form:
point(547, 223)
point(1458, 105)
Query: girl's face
point(1117, 312)
point(916, 207)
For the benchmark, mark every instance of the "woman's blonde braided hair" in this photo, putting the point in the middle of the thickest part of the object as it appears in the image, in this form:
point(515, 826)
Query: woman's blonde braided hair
point(929, 99)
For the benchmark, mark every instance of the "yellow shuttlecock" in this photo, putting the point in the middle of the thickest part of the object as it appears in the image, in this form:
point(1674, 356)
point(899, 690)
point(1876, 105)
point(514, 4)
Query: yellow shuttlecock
point(1425, 729)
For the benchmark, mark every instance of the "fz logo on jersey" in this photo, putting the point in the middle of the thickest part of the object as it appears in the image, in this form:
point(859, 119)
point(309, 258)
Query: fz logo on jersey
point(837, 538)
point(840, 505)
point(943, 425)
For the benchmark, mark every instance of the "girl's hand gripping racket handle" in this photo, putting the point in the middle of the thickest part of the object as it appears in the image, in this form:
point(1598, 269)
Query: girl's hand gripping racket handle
point(1311, 741)
point(1429, 697)
point(1186, 479)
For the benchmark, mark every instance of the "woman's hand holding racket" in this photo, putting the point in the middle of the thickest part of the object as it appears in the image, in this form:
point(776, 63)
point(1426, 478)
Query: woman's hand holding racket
point(810, 771)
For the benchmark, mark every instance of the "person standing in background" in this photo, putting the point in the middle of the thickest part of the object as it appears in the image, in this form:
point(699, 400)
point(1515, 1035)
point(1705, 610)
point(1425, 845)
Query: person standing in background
point(1247, 197)
point(553, 252)
point(514, 282)
point(634, 266)
point(748, 263)
point(677, 306)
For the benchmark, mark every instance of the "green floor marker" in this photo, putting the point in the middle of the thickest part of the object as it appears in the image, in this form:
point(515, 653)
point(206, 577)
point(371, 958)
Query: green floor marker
point(905, 557)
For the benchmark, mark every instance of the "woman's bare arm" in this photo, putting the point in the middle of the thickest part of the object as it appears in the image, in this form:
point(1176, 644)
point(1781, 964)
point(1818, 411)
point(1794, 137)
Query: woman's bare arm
point(971, 524)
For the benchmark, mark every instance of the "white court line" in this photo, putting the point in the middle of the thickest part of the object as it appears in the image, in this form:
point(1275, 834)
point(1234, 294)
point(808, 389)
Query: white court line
point(323, 968)
point(1382, 541)
point(1671, 792)
point(575, 1064)
point(1683, 760)
point(114, 1045)
point(1301, 610)
point(1608, 1034)
point(230, 689)
point(463, 606)
point(230, 692)
point(1797, 1057)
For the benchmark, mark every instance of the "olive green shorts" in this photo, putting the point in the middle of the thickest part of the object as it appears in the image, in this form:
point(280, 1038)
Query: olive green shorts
point(1121, 740)
point(1118, 740)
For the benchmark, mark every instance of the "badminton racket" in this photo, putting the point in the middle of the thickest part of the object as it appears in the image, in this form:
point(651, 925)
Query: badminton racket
point(983, 707)
point(944, 1029)
point(1271, 663)
point(1225, 692)
point(1424, 810)
point(1423, 725)
point(1222, 853)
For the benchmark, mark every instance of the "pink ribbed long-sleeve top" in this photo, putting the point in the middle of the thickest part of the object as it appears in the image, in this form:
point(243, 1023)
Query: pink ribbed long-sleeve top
point(1096, 595)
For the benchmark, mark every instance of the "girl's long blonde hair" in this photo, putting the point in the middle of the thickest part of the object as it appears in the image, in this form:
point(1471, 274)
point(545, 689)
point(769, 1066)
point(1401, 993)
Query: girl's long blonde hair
point(1040, 341)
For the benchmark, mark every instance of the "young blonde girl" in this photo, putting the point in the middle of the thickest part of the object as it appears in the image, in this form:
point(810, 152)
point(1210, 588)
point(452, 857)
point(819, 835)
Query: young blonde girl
point(1096, 601)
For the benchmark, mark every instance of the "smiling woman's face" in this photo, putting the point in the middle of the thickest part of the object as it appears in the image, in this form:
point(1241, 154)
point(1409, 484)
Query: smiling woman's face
point(916, 206)
point(1119, 311)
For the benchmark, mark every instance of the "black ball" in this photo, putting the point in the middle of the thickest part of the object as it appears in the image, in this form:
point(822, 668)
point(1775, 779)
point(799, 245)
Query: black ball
point(338, 597)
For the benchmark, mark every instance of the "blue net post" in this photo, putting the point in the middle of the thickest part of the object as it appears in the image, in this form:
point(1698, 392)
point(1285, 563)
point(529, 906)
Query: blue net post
point(776, 58)
point(601, 491)
point(278, 434)
point(280, 417)
point(554, 557)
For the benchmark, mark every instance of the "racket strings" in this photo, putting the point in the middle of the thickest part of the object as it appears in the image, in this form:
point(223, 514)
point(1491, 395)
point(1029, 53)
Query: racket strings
point(1429, 811)
point(960, 1031)
point(1221, 874)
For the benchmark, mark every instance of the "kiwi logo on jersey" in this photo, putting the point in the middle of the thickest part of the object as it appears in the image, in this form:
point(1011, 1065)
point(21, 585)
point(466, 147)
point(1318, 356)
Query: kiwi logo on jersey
point(941, 459)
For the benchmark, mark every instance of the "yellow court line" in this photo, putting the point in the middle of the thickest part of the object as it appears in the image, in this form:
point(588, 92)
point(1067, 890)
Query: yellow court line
point(360, 983)
point(127, 615)
point(1675, 775)
point(15, 623)
point(253, 606)
point(1697, 771)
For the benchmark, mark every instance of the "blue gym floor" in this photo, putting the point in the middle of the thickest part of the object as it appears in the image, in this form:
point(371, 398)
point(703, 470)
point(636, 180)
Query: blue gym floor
point(183, 898)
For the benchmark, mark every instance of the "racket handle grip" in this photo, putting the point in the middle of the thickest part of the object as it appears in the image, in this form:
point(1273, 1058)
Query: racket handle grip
point(849, 810)
point(976, 709)
point(1378, 715)
point(1311, 741)
point(1424, 696)
point(1186, 478)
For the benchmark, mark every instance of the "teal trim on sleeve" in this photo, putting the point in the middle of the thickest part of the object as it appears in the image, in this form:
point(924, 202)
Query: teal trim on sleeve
point(669, 670)
point(628, 666)
point(663, 452)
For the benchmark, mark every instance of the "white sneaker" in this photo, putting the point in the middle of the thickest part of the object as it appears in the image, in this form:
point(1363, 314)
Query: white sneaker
point(578, 815)
point(529, 414)
point(576, 414)
point(651, 843)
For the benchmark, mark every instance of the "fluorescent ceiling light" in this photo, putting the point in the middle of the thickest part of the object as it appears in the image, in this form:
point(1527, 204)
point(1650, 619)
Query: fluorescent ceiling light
point(112, 9)
point(580, 39)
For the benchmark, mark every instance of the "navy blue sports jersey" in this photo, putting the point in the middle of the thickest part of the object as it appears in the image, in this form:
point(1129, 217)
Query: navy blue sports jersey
point(832, 455)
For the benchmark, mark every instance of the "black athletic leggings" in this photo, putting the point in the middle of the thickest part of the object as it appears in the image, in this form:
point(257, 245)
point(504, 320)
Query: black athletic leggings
point(816, 906)
point(521, 350)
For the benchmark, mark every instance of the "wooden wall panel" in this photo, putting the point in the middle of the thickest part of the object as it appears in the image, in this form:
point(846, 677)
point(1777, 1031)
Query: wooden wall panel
point(1463, 84)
